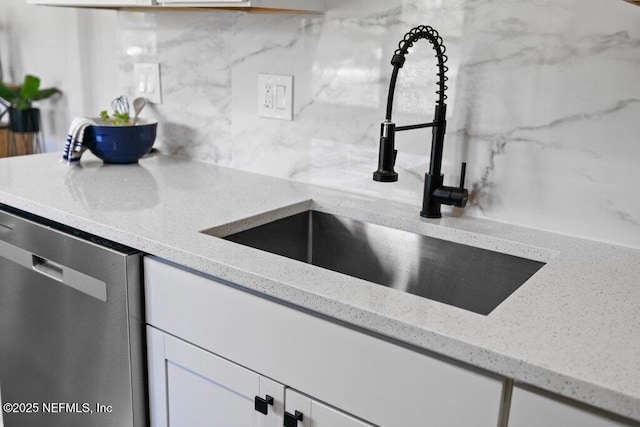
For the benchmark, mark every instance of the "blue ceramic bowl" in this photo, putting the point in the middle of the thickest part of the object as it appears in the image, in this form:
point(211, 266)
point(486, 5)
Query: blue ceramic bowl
point(121, 144)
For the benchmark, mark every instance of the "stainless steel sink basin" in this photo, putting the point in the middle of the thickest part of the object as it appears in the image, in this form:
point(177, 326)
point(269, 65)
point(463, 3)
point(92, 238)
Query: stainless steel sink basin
point(463, 276)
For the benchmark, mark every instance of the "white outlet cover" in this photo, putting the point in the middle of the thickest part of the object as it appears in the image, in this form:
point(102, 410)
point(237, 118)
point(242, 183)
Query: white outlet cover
point(275, 96)
point(147, 81)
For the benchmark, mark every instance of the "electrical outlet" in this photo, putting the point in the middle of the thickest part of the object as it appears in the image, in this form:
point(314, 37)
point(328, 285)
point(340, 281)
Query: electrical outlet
point(275, 96)
point(147, 81)
point(268, 96)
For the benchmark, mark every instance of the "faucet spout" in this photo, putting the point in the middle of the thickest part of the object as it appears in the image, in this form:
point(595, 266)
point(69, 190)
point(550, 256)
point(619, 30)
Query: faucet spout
point(386, 154)
point(435, 193)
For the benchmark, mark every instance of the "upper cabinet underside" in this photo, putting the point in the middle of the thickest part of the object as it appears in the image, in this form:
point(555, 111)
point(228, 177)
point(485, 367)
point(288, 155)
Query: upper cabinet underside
point(285, 6)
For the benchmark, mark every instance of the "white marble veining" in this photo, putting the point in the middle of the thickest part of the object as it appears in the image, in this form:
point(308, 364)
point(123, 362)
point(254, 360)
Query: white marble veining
point(544, 101)
point(571, 329)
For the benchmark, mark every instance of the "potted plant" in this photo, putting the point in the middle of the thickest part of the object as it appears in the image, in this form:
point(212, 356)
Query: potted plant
point(23, 117)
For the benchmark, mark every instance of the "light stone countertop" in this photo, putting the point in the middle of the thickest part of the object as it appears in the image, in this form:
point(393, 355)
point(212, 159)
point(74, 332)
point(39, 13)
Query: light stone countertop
point(573, 328)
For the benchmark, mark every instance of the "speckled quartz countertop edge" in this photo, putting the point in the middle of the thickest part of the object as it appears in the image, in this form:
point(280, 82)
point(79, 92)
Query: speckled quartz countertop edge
point(552, 333)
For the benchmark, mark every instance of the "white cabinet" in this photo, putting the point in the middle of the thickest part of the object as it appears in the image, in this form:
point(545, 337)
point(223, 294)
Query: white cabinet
point(96, 3)
point(303, 411)
point(360, 374)
point(298, 6)
point(529, 409)
point(192, 387)
point(285, 5)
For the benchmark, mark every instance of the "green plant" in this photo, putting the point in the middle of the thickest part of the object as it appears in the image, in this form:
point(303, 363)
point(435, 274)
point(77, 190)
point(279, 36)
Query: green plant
point(117, 119)
point(22, 97)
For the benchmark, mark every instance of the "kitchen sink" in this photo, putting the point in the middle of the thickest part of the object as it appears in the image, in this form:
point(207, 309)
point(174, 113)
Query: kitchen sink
point(463, 276)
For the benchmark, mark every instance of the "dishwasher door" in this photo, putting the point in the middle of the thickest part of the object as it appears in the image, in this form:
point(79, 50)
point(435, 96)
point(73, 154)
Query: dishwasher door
point(71, 327)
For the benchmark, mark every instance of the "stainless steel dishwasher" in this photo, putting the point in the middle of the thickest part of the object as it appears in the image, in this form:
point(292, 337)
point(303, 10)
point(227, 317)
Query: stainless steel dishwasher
point(71, 327)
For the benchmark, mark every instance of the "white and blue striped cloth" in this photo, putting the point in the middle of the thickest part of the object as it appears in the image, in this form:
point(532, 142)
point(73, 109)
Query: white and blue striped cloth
point(74, 146)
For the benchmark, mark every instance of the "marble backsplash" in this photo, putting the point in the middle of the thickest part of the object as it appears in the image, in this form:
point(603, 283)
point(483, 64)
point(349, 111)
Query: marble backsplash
point(544, 101)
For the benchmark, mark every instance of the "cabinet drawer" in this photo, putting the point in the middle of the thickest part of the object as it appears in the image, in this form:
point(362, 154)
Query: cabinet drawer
point(316, 414)
point(529, 409)
point(361, 374)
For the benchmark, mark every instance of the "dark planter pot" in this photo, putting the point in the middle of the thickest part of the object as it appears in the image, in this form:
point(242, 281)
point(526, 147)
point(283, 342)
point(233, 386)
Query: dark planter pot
point(24, 121)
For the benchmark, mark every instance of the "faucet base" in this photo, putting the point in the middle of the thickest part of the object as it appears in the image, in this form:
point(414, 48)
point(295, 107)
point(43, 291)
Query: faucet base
point(436, 194)
point(430, 215)
point(431, 206)
point(385, 176)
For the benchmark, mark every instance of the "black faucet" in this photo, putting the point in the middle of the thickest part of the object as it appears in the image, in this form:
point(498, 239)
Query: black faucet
point(435, 193)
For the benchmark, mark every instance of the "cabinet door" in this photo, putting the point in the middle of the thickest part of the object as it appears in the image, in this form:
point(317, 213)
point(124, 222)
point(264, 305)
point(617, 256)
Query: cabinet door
point(530, 409)
point(302, 411)
point(191, 387)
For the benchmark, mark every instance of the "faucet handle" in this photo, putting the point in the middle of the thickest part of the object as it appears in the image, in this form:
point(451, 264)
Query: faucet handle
point(453, 196)
point(463, 172)
point(459, 196)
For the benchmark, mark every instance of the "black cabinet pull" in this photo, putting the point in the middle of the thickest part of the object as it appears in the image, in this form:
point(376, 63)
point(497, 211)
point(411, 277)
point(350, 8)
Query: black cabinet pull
point(292, 420)
point(262, 405)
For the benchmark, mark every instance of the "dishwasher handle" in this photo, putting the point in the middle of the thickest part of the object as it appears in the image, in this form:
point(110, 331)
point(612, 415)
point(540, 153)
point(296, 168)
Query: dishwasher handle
point(58, 272)
point(48, 268)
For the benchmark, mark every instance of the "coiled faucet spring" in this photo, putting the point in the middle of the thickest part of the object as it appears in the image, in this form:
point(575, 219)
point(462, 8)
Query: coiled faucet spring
point(398, 59)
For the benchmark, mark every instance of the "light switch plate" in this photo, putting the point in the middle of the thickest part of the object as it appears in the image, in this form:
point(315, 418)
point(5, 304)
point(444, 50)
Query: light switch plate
point(147, 81)
point(275, 96)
